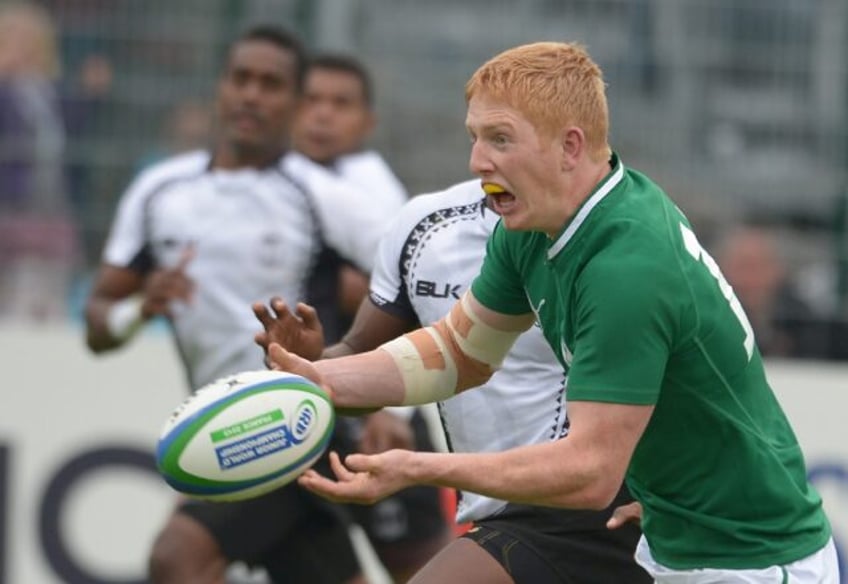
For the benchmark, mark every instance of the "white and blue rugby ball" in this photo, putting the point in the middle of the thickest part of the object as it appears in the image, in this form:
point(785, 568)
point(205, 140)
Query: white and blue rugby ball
point(245, 435)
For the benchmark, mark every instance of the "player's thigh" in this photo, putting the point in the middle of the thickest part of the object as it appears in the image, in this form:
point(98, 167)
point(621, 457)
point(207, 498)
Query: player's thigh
point(462, 562)
point(252, 529)
point(405, 529)
point(185, 549)
point(520, 561)
point(317, 554)
point(409, 527)
point(538, 545)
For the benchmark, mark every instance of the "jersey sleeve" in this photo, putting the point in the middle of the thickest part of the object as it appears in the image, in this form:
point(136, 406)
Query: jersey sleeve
point(351, 223)
point(498, 286)
point(625, 316)
point(370, 169)
point(387, 288)
point(127, 240)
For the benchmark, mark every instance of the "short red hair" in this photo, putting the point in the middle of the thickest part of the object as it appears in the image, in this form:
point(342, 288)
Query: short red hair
point(554, 84)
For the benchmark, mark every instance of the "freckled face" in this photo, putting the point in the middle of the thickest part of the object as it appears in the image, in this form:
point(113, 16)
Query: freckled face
point(520, 169)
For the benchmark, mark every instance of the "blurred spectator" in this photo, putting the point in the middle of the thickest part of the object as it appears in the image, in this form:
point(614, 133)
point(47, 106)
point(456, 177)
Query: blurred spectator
point(38, 238)
point(783, 324)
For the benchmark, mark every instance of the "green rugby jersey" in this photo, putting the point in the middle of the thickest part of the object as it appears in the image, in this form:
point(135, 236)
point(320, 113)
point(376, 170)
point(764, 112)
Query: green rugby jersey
point(639, 313)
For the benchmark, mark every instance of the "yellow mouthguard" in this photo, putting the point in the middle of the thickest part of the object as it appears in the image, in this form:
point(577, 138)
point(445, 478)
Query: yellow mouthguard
point(492, 189)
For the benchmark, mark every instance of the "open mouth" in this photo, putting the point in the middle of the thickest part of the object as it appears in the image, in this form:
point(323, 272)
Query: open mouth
point(500, 200)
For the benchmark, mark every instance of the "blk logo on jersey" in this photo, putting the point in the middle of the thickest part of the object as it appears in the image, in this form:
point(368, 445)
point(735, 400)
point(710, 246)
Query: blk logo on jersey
point(434, 290)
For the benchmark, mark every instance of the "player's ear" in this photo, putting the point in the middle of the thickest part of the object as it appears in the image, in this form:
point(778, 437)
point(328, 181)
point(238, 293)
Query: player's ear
point(572, 143)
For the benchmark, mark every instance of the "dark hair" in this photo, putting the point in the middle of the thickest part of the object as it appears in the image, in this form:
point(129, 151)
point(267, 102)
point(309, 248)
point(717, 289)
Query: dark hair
point(346, 64)
point(280, 38)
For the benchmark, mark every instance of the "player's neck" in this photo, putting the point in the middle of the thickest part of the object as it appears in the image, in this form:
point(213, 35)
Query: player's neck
point(227, 157)
point(332, 162)
point(583, 182)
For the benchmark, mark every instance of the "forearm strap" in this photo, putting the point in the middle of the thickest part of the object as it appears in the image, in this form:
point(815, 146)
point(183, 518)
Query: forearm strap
point(458, 352)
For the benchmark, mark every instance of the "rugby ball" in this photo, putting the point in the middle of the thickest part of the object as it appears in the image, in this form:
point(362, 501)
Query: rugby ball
point(245, 435)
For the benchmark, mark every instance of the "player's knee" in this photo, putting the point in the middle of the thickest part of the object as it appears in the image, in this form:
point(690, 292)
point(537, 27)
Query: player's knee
point(185, 552)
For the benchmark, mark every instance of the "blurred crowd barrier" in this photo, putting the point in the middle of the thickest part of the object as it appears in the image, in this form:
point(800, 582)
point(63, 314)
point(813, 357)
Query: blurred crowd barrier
point(738, 107)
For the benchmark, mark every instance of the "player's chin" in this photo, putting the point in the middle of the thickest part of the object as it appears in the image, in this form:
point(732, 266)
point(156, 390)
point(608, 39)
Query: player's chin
point(516, 221)
point(321, 151)
point(249, 141)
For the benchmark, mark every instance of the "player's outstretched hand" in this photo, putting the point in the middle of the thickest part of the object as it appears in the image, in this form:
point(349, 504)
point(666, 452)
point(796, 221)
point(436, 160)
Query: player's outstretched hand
point(362, 478)
point(625, 514)
point(300, 332)
point(280, 359)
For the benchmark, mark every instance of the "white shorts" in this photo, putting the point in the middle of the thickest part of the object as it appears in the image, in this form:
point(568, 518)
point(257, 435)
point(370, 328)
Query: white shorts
point(818, 568)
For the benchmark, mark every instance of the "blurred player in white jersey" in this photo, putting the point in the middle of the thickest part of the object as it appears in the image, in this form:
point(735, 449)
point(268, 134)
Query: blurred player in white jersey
point(332, 127)
point(196, 239)
point(336, 119)
point(334, 122)
point(425, 262)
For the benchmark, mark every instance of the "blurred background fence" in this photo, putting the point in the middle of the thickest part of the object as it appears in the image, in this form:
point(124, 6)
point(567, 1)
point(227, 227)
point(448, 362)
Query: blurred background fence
point(738, 107)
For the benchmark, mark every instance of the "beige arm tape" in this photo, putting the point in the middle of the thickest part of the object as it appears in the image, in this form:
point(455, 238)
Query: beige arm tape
point(458, 352)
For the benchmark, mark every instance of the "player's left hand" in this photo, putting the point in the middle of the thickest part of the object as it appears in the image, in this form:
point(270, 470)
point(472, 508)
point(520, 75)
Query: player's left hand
point(625, 514)
point(300, 331)
point(362, 478)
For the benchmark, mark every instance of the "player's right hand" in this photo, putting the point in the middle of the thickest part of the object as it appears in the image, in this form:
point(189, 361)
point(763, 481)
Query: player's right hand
point(625, 514)
point(300, 333)
point(362, 478)
point(163, 286)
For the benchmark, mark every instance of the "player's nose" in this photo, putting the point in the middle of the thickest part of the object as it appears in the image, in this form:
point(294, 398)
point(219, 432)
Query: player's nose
point(479, 163)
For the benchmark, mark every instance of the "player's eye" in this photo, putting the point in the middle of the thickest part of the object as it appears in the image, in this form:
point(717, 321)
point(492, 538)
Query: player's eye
point(271, 82)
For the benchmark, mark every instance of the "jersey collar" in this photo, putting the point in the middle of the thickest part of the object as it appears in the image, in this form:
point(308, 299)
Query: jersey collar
point(610, 181)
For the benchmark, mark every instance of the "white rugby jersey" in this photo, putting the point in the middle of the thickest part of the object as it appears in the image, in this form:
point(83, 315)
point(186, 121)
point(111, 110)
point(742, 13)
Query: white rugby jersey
point(368, 170)
point(256, 233)
point(426, 260)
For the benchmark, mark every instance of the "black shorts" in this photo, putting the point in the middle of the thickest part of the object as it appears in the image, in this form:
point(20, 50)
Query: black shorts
point(412, 515)
point(540, 545)
point(290, 532)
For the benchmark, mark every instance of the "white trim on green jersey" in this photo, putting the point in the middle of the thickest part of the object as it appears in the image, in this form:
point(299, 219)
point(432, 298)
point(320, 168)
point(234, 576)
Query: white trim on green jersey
point(603, 190)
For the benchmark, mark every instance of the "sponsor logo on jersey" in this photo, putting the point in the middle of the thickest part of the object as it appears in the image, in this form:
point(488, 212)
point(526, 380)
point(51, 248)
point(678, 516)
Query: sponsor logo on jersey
point(430, 289)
